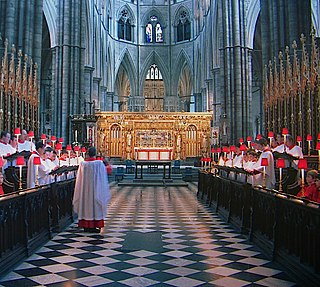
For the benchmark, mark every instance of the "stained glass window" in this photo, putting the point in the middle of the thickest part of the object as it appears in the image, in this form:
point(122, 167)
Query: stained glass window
point(149, 33)
point(154, 31)
point(159, 37)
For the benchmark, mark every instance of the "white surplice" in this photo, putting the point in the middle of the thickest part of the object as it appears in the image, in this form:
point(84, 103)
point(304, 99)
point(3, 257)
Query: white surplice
point(91, 194)
point(43, 171)
point(269, 170)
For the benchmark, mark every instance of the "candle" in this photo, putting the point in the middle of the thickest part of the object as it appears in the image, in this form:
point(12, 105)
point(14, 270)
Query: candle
point(318, 149)
point(20, 163)
point(309, 139)
point(280, 165)
point(270, 136)
point(302, 165)
point(264, 163)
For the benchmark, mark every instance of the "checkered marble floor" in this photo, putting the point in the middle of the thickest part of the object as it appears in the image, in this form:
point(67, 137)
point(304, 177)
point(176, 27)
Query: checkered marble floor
point(199, 249)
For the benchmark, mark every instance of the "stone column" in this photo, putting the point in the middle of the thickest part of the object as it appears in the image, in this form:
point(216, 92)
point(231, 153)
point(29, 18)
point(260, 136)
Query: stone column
point(10, 22)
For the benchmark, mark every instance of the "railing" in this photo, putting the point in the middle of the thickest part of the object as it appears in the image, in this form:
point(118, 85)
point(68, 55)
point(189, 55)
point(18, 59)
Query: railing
point(286, 228)
point(28, 219)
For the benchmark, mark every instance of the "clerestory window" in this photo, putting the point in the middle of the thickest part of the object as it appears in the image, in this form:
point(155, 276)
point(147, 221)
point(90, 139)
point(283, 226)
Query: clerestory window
point(183, 27)
point(154, 32)
point(125, 26)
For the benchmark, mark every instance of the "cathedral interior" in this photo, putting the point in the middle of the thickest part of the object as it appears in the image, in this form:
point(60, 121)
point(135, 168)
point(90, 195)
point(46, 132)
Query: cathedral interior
point(66, 64)
point(172, 81)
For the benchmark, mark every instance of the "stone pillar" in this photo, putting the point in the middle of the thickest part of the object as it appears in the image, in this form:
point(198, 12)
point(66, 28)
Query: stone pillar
point(88, 87)
point(96, 92)
point(109, 101)
point(10, 22)
point(70, 79)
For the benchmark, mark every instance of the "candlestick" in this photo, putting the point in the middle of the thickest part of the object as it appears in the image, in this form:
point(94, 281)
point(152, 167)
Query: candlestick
point(242, 154)
point(264, 163)
point(59, 151)
point(280, 179)
point(264, 177)
point(302, 181)
point(20, 176)
point(318, 149)
point(37, 175)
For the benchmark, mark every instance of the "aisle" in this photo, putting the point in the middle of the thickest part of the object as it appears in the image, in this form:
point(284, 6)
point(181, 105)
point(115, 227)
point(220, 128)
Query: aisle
point(154, 236)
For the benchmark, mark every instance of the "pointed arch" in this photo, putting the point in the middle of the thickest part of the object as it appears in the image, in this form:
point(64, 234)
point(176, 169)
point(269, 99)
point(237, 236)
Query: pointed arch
point(183, 80)
point(126, 22)
point(252, 19)
point(50, 14)
point(182, 60)
point(130, 15)
point(154, 25)
point(154, 11)
point(129, 67)
point(182, 24)
point(154, 58)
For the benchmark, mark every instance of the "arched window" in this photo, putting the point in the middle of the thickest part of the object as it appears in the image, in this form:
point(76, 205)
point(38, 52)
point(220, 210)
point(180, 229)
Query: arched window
point(154, 90)
point(183, 27)
point(124, 25)
point(154, 32)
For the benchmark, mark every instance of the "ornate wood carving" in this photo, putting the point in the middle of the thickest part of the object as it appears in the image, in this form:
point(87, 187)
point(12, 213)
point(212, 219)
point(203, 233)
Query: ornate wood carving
point(187, 133)
point(19, 91)
point(292, 95)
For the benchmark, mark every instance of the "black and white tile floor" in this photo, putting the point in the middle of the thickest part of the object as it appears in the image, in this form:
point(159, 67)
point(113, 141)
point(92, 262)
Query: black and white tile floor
point(198, 248)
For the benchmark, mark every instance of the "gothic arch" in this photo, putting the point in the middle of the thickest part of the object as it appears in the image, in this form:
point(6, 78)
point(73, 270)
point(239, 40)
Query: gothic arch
point(177, 14)
point(315, 15)
point(125, 23)
point(154, 58)
point(182, 62)
point(50, 13)
point(151, 12)
point(252, 18)
point(131, 14)
point(129, 67)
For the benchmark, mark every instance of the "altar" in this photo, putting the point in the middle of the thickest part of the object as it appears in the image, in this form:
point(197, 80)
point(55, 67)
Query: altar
point(154, 136)
point(153, 153)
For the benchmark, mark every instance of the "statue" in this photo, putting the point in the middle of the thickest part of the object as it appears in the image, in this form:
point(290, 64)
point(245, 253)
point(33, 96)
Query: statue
point(204, 143)
point(129, 143)
point(178, 146)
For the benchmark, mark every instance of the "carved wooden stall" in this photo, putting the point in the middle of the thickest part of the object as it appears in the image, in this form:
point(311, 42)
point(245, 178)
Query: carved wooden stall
point(286, 228)
point(128, 135)
point(19, 91)
point(292, 91)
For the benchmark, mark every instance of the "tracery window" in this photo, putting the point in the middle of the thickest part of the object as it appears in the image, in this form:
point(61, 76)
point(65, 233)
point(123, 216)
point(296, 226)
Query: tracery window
point(125, 25)
point(154, 31)
point(183, 27)
point(154, 89)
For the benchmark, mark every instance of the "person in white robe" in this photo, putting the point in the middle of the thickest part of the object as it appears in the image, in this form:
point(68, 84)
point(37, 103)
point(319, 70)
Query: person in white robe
point(270, 178)
point(24, 144)
point(43, 169)
point(5, 148)
point(91, 193)
point(281, 147)
point(294, 150)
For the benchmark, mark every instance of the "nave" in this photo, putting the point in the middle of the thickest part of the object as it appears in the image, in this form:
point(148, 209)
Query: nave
point(153, 236)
